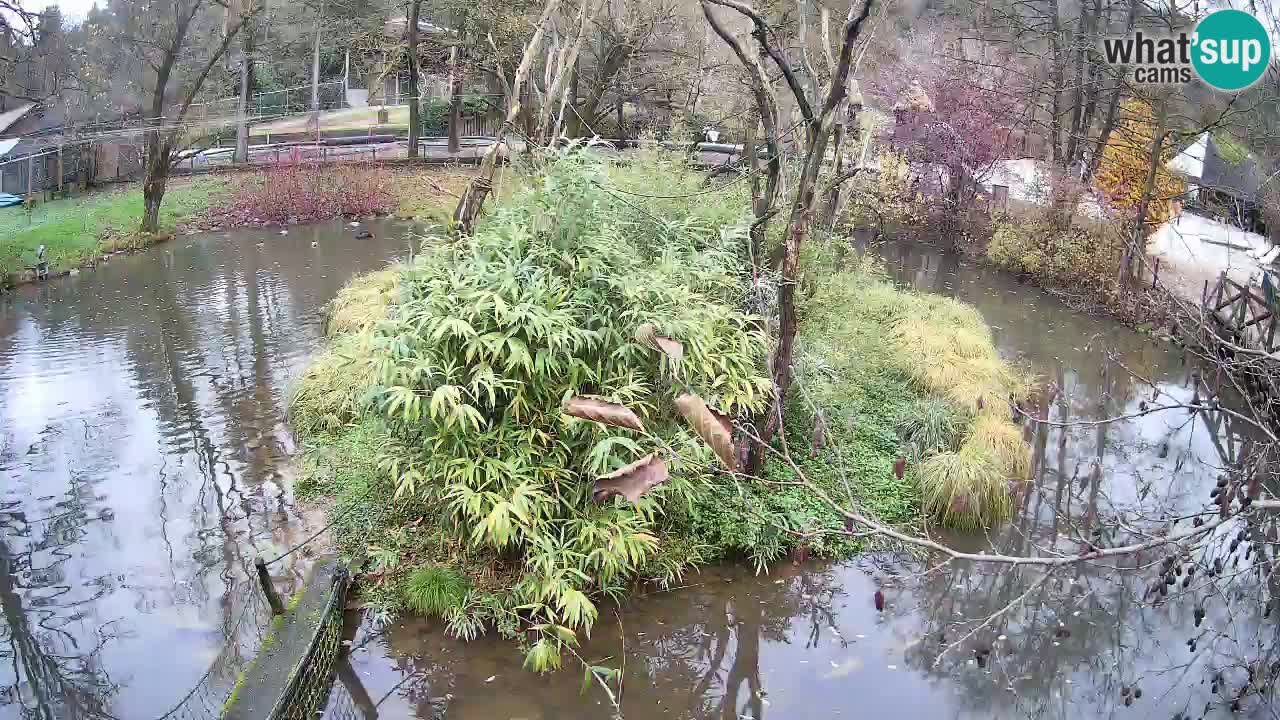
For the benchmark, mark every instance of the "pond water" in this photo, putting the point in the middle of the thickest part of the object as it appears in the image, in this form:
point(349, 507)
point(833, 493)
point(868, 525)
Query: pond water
point(143, 464)
point(143, 458)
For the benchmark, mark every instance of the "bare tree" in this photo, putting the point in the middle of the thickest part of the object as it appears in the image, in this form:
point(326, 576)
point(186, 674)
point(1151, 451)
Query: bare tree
point(818, 112)
point(415, 101)
point(180, 67)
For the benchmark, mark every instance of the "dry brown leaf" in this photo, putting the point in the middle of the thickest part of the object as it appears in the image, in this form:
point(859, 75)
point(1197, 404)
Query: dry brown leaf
point(671, 348)
point(602, 411)
point(714, 428)
point(632, 481)
point(647, 335)
point(724, 420)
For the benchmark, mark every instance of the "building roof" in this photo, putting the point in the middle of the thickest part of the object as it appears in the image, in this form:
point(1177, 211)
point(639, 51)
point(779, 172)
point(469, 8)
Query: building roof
point(395, 27)
point(12, 116)
point(1219, 164)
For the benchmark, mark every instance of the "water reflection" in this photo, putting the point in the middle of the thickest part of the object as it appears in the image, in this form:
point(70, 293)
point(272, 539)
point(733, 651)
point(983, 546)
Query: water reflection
point(956, 641)
point(143, 459)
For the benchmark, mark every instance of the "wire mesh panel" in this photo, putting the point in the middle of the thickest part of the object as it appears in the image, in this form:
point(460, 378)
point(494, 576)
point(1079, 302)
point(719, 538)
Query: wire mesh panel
point(206, 699)
point(308, 686)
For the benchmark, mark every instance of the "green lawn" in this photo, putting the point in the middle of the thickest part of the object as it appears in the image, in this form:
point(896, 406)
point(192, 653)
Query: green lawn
point(75, 229)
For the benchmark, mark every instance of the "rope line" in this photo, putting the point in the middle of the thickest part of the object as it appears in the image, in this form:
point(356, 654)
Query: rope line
point(340, 515)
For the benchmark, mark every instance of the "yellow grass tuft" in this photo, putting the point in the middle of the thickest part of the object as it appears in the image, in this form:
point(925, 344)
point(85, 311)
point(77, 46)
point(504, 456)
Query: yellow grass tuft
point(965, 489)
point(1002, 442)
point(947, 349)
point(364, 301)
point(327, 395)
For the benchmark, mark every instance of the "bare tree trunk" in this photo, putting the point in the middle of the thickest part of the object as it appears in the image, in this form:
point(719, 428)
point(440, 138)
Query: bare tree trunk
point(242, 115)
point(767, 111)
point(455, 101)
point(816, 140)
point(159, 141)
point(315, 64)
point(157, 177)
point(572, 122)
point(567, 59)
point(1138, 243)
point(753, 166)
point(620, 108)
point(1080, 56)
point(1104, 134)
point(415, 102)
point(1057, 75)
point(1113, 106)
point(845, 116)
point(1091, 82)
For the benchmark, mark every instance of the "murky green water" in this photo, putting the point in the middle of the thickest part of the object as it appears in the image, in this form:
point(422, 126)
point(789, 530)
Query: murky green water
point(143, 457)
point(143, 463)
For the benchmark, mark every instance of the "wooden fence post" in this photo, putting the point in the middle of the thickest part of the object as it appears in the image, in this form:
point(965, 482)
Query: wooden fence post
point(264, 579)
point(60, 168)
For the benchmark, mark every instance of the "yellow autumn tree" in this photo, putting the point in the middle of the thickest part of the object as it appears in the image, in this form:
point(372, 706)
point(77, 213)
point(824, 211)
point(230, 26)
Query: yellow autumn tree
point(1126, 160)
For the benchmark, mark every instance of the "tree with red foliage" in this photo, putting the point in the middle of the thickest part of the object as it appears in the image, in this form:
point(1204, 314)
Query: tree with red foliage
point(958, 124)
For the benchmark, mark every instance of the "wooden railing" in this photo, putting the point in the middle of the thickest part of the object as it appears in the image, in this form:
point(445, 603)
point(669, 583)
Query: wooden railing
point(1244, 312)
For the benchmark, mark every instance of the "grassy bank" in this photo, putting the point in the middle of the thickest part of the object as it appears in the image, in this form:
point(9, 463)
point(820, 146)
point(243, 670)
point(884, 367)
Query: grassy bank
point(444, 382)
point(75, 230)
point(900, 375)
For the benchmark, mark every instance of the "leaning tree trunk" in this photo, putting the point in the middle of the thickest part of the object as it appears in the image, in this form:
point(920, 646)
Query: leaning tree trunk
point(1113, 105)
point(1138, 242)
point(472, 200)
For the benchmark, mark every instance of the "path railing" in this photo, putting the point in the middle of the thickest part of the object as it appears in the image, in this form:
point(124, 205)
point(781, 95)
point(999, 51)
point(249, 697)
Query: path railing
point(1249, 315)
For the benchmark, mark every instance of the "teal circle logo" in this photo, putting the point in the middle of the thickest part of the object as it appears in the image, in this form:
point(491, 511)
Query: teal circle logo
point(1231, 50)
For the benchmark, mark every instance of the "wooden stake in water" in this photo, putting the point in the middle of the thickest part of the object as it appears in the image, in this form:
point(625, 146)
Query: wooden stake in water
point(264, 578)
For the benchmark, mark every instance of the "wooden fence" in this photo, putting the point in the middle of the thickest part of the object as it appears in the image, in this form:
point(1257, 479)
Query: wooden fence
point(1247, 314)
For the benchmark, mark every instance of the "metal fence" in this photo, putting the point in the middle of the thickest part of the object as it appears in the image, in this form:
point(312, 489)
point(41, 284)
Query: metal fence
point(271, 104)
point(205, 701)
point(308, 686)
point(39, 171)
